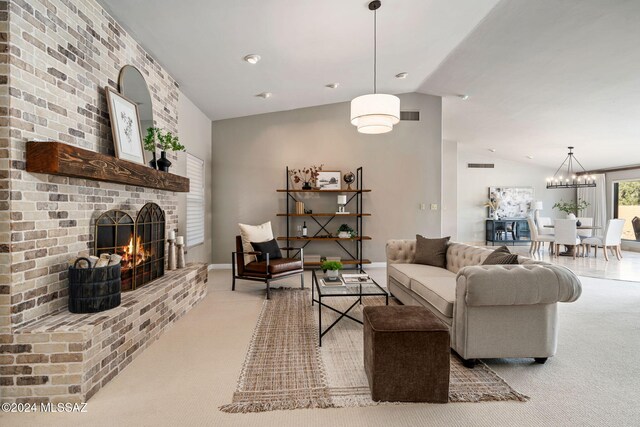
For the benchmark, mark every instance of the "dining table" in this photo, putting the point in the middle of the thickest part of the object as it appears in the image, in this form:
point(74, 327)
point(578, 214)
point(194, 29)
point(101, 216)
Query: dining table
point(570, 249)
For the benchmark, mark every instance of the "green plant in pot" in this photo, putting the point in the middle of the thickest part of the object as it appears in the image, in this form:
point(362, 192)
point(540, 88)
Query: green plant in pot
point(168, 141)
point(332, 268)
point(572, 209)
point(151, 143)
point(346, 232)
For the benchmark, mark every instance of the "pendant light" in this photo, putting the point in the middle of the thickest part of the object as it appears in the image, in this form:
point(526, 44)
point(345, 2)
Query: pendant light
point(573, 178)
point(376, 112)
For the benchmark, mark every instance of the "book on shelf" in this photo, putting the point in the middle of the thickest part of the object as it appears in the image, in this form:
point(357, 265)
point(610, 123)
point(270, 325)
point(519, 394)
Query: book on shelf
point(354, 279)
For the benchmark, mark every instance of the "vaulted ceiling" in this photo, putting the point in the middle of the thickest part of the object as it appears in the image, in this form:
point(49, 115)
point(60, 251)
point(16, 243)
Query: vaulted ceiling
point(541, 75)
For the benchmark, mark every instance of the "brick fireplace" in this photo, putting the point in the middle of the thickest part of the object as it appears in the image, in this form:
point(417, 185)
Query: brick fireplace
point(60, 55)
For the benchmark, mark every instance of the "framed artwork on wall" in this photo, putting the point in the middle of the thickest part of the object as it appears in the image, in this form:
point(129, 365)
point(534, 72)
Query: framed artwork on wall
point(125, 127)
point(329, 180)
point(513, 202)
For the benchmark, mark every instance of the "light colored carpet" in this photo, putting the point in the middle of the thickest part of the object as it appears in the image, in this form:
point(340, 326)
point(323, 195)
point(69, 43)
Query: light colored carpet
point(285, 369)
point(184, 377)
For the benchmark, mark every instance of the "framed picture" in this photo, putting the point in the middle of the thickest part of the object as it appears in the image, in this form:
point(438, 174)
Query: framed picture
point(329, 180)
point(125, 126)
point(513, 202)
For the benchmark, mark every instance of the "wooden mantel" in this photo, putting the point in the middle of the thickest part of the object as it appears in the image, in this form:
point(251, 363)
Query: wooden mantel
point(56, 158)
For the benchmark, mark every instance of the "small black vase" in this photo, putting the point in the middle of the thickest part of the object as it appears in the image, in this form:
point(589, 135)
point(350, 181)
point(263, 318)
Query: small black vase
point(153, 163)
point(163, 162)
point(306, 186)
point(578, 224)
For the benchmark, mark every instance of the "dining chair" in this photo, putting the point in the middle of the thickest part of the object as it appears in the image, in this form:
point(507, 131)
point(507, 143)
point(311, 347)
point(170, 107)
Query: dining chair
point(546, 231)
point(587, 222)
point(566, 233)
point(611, 239)
point(537, 240)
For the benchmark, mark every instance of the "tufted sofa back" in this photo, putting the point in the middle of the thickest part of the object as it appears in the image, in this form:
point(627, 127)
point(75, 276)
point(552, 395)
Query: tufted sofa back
point(458, 254)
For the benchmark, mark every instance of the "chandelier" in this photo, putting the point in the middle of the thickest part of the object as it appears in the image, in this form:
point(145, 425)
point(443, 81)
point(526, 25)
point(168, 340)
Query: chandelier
point(572, 178)
point(376, 112)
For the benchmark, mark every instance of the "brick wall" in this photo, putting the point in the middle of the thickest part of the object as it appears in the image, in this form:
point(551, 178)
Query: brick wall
point(61, 54)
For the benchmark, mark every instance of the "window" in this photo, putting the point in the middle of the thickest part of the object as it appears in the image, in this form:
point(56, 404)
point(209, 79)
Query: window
point(626, 205)
point(195, 201)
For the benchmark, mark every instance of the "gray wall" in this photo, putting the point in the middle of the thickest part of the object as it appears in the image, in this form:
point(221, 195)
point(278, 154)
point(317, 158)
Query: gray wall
point(402, 168)
point(194, 130)
point(473, 186)
point(450, 189)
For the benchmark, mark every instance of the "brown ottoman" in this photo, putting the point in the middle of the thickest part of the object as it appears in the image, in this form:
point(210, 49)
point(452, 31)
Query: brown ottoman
point(406, 354)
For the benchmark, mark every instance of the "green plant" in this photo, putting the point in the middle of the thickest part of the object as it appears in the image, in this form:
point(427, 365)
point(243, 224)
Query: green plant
point(571, 207)
point(346, 228)
point(150, 141)
point(332, 265)
point(169, 142)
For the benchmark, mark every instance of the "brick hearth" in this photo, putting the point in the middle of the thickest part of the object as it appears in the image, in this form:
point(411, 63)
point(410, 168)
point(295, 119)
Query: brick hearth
point(68, 357)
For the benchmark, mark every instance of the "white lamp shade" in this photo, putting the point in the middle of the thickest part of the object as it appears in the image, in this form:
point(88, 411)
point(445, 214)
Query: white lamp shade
point(342, 199)
point(537, 205)
point(375, 113)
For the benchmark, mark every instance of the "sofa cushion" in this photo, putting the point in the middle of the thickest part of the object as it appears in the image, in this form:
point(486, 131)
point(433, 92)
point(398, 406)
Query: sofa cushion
point(439, 291)
point(276, 266)
point(403, 273)
point(431, 251)
point(502, 255)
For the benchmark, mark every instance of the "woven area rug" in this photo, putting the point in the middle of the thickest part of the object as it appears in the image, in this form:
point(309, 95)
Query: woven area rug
point(285, 369)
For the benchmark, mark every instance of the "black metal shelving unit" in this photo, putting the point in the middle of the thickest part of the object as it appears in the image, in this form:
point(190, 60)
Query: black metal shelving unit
point(355, 257)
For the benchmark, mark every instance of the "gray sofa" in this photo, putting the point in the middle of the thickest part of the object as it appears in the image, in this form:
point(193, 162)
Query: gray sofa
point(492, 311)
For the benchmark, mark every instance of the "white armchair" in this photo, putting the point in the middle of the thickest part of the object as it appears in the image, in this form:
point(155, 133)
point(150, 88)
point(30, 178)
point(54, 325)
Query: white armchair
point(611, 240)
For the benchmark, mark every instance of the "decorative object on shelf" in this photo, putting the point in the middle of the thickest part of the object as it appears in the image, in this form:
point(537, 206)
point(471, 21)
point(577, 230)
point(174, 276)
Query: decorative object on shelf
point(573, 178)
point(167, 142)
point(171, 239)
point(306, 176)
point(572, 209)
point(346, 232)
point(125, 127)
point(308, 211)
point(349, 178)
point(131, 84)
point(304, 229)
point(329, 180)
point(312, 258)
point(300, 208)
point(514, 202)
point(151, 144)
point(332, 268)
point(375, 113)
point(180, 261)
point(342, 201)
point(493, 204)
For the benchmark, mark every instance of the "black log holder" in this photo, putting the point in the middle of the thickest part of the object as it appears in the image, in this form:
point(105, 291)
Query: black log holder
point(92, 290)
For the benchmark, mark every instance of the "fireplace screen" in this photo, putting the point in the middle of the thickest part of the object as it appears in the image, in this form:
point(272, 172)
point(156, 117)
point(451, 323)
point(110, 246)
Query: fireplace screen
point(140, 244)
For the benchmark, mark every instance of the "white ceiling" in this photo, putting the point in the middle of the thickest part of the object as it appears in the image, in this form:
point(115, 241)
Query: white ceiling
point(546, 74)
point(541, 75)
point(304, 45)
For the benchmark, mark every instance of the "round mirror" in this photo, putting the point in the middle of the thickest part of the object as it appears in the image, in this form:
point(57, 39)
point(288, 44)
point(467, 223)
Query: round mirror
point(134, 87)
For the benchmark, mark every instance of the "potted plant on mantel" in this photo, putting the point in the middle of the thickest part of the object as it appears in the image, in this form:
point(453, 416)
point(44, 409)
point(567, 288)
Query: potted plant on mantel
point(167, 141)
point(572, 209)
point(331, 268)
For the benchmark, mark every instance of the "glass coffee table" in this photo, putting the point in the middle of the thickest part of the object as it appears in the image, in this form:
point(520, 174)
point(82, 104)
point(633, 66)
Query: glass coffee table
point(359, 290)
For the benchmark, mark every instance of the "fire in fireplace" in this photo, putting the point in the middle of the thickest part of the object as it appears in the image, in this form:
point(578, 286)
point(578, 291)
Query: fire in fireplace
point(141, 244)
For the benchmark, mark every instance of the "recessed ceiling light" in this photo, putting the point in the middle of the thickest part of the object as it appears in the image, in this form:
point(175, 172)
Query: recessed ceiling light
point(402, 75)
point(252, 59)
point(530, 157)
point(332, 85)
point(493, 150)
point(264, 95)
point(463, 97)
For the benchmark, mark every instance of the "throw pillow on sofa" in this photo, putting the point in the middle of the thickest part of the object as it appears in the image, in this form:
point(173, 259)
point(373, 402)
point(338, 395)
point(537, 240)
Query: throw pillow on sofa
point(431, 251)
point(271, 247)
point(502, 255)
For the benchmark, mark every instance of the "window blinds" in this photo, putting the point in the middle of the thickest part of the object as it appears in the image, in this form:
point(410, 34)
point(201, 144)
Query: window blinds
point(195, 201)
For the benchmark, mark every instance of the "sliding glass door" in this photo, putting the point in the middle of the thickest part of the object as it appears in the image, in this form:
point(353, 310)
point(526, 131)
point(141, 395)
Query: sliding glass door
point(626, 205)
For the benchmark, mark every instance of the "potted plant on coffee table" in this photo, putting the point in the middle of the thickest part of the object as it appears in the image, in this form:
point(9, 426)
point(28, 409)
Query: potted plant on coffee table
point(332, 268)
